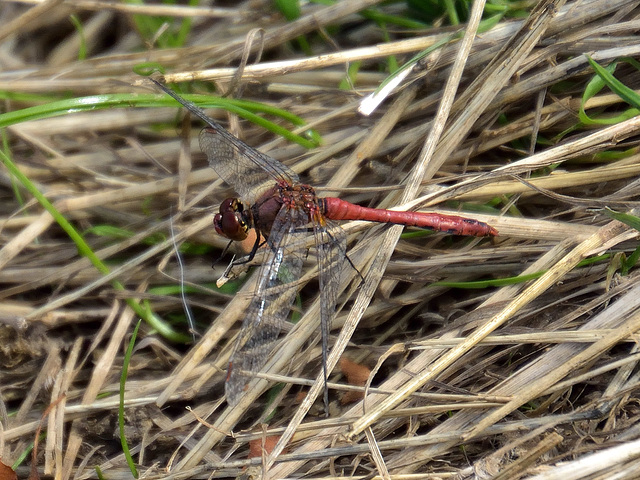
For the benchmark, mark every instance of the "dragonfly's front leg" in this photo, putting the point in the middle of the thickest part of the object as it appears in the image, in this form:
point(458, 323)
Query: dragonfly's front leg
point(239, 266)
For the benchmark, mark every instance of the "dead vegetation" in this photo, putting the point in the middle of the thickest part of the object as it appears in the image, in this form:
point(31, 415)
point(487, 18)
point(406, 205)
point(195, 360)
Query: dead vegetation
point(531, 373)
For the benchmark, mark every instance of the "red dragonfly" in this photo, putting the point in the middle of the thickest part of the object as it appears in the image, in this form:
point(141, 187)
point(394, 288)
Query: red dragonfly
point(284, 212)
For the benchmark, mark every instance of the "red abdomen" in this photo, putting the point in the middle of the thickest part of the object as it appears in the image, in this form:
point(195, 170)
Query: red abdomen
point(337, 209)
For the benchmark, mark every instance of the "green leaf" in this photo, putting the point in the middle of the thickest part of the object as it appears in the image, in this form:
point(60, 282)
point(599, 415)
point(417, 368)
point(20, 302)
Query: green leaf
point(244, 108)
point(605, 78)
point(123, 382)
point(290, 9)
point(85, 250)
point(627, 219)
point(82, 49)
point(632, 260)
point(501, 282)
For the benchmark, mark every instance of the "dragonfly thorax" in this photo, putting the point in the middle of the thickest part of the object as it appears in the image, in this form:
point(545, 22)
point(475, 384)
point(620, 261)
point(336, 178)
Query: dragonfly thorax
point(233, 220)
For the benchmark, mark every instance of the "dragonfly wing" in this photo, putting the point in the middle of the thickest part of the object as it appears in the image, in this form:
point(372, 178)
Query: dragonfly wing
point(272, 300)
point(247, 170)
point(331, 245)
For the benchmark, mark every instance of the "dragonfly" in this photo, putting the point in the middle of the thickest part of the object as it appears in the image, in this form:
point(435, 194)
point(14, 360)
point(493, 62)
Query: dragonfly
point(284, 212)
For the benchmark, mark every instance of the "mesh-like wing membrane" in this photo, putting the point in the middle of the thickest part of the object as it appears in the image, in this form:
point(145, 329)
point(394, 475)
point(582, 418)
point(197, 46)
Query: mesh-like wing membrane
point(247, 170)
point(272, 300)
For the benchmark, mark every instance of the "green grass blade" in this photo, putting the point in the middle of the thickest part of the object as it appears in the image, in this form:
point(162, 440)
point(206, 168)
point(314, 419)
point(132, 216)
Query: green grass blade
point(243, 108)
point(123, 382)
point(83, 248)
point(616, 86)
point(604, 77)
point(82, 49)
point(503, 282)
point(627, 219)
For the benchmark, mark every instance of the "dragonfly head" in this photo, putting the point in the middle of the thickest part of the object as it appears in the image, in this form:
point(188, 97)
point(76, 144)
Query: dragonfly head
point(232, 221)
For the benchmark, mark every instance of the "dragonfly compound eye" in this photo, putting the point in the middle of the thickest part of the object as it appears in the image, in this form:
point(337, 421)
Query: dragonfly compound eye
point(230, 222)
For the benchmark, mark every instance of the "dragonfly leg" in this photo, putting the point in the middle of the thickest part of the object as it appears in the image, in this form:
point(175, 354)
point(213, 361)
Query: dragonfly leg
point(354, 267)
point(226, 249)
point(344, 252)
point(246, 259)
point(233, 263)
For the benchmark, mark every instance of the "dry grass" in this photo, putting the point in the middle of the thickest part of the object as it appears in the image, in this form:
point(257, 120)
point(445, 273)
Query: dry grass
point(534, 376)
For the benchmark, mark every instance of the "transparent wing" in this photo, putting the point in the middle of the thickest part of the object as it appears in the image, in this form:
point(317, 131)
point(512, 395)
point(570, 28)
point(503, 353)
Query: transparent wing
point(331, 245)
point(272, 300)
point(247, 170)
